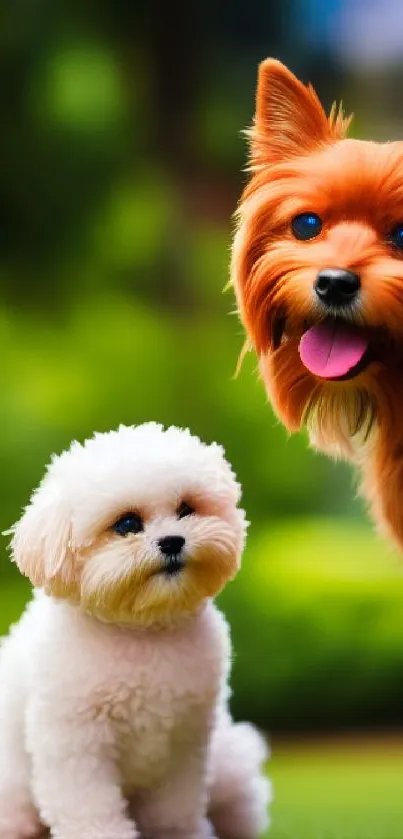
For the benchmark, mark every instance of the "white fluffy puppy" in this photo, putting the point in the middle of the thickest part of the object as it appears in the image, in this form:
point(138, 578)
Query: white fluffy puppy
point(113, 685)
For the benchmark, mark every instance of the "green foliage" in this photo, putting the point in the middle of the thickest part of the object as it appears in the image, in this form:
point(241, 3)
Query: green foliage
point(82, 88)
point(316, 624)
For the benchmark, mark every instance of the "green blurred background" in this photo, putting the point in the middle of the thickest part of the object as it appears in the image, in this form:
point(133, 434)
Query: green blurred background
point(120, 167)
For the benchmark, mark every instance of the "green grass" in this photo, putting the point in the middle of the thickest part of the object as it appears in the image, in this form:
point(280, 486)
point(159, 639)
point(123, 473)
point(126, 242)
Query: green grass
point(351, 789)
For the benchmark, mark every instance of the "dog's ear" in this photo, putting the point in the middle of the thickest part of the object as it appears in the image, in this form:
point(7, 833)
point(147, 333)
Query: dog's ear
point(289, 118)
point(41, 545)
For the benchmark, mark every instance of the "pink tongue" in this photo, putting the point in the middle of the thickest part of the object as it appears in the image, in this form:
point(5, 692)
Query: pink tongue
point(329, 350)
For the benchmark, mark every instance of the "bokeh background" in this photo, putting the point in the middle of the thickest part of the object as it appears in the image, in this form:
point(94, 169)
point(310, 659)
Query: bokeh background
point(120, 167)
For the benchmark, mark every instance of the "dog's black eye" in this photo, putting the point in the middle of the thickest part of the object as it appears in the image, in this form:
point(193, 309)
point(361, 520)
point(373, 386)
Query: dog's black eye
point(306, 226)
point(396, 236)
point(129, 523)
point(184, 509)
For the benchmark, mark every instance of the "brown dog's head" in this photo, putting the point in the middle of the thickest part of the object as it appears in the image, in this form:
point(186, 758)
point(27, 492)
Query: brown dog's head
point(318, 265)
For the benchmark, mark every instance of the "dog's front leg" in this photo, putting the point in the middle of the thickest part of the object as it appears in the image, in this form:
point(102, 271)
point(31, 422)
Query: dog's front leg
point(75, 777)
point(177, 809)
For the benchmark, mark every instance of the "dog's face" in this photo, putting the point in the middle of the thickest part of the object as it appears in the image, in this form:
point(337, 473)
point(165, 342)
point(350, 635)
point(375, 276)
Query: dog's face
point(139, 525)
point(318, 265)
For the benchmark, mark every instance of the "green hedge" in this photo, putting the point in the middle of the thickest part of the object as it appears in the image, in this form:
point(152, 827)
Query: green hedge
point(317, 621)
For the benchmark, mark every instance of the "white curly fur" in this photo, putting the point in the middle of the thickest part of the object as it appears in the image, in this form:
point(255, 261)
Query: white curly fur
point(113, 685)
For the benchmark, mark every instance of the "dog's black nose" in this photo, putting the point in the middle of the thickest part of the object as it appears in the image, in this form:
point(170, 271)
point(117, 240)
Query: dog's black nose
point(171, 545)
point(337, 287)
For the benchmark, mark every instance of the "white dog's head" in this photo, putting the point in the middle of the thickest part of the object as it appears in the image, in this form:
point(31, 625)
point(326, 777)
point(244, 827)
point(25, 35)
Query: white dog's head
point(137, 525)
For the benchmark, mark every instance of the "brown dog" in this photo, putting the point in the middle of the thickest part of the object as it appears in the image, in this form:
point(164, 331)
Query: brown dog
point(317, 269)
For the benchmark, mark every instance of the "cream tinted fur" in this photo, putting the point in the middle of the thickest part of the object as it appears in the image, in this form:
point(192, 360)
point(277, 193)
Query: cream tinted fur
point(113, 705)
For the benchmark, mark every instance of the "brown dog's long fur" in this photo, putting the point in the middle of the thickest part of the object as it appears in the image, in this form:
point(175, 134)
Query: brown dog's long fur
point(300, 161)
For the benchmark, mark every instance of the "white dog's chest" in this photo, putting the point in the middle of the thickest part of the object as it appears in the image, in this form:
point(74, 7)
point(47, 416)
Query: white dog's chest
point(154, 729)
point(157, 691)
point(162, 703)
point(152, 694)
